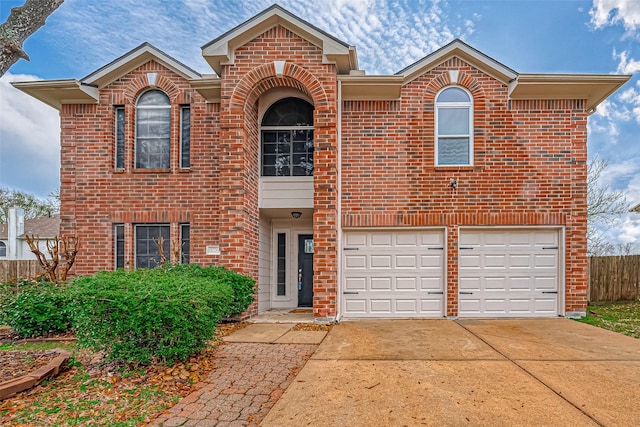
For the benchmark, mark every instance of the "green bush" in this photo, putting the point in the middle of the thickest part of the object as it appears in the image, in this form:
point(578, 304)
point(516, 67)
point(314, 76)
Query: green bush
point(166, 313)
point(243, 286)
point(35, 308)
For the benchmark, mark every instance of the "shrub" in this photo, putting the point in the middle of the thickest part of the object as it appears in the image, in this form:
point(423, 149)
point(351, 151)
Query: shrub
point(35, 308)
point(166, 313)
point(243, 286)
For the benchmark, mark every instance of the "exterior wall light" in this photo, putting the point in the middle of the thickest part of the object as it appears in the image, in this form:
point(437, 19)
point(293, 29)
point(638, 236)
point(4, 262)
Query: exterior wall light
point(296, 214)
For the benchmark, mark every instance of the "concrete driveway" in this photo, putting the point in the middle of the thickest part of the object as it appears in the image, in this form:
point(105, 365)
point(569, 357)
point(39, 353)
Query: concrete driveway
point(542, 372)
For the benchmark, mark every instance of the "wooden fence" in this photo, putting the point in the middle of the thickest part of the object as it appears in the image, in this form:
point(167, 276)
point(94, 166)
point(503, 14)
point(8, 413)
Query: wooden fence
point(614, 278)
point(12, 269)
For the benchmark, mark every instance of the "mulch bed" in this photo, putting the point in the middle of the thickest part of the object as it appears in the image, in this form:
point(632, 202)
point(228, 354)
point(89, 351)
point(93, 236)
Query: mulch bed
point(174, 381)
point(14, 363)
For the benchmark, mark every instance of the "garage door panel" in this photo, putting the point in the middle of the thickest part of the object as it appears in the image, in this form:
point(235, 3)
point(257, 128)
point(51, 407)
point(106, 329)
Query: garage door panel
point(406, 261)
point(545, 260)
point(381, 283)
point(508, 273)
point(381, 240)
point(380, 261)
point(402, 274)
point(381, 306)
point(355, 261)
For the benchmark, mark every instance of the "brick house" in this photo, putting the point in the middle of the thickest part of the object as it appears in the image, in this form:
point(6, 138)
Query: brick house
point(455, 187)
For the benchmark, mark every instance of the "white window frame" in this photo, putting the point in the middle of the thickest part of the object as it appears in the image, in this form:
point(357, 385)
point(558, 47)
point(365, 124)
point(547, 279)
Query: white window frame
point(437, 106)
point(135, 125)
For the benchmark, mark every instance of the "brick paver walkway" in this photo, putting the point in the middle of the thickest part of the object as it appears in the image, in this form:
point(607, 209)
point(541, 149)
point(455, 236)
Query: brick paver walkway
point(248, 380)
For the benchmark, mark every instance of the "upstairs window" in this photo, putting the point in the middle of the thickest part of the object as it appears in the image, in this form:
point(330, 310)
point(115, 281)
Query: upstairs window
point(185, 137)
point(454, 128)
point(119, 157)
point(153, 128)
point(287, 138)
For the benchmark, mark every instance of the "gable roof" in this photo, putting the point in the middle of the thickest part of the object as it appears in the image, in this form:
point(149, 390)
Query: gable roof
point(133, 59)
point(463, 51)
point(44, 227)
point(55, 93)
point(595, 88)
point(220, 51)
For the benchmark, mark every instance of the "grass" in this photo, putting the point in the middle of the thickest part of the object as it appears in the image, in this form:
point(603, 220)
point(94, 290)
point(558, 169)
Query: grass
point(618, 317)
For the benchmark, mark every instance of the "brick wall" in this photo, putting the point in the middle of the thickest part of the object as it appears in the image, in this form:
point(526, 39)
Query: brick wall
point(529, 168)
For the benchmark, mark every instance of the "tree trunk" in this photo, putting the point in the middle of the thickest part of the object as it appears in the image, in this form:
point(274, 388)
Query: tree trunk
point(21, 23)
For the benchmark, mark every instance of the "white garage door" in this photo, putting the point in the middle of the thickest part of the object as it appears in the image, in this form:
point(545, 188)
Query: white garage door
point(508, 273)
point(393, 274)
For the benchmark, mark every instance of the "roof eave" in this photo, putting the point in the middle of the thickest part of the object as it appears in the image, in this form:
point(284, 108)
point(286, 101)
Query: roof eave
point(55, 93)
point(209, 88)
point(594, 88)
point(458, 48)
point(220, 51)
point(371, 88)
point(134, 59)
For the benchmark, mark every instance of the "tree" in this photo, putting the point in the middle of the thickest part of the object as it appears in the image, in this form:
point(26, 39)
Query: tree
point(604, 208)
point(21, 23)
point(33, 207)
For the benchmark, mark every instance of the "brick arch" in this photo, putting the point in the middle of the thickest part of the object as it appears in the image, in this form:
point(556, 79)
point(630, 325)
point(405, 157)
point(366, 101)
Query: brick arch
point(464, 80)
point(263, 78)
point(139, 85)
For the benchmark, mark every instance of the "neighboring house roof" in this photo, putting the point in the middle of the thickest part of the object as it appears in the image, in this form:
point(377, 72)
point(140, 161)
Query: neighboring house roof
point(636, 208)
point(43, 227)
point(355, 84)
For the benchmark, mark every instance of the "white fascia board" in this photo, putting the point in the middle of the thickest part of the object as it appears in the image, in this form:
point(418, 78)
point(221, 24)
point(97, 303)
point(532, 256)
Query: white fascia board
point(467, 54)
point(132, 60)
point(594, 88)
point(55, 93)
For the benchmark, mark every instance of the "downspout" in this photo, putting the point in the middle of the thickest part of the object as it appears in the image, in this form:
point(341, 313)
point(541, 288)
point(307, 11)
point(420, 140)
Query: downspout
point(339, 207)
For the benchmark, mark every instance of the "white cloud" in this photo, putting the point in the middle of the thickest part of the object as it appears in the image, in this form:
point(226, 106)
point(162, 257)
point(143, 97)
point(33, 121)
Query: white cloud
point(387, 35)
point(613, 12)
point(30, 140)
point(626, 65)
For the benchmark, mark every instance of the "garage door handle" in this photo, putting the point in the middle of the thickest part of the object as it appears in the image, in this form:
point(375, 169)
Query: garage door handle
point(550, 247)
point(436, 249)
point(466, 293)
point(350, 293)
point(549, 292)
point(464, 247)
point(435, 293)
point(350, 249)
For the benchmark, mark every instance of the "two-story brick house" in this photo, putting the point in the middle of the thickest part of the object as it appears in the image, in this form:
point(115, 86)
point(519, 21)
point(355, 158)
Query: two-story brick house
point(456, 187)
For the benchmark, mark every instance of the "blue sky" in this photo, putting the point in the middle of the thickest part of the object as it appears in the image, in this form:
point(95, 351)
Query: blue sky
point(553, 36)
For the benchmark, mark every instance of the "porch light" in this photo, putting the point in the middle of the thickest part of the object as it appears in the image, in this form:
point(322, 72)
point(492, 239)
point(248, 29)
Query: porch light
point(296, 214)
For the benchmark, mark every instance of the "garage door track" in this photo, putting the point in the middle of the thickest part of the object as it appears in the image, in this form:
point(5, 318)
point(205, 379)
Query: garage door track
point(553, 372)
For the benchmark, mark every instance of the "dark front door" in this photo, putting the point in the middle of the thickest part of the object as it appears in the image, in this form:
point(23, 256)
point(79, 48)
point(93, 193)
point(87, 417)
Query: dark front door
point(305, 270)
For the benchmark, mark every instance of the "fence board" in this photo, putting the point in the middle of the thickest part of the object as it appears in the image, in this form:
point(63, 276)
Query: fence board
point(614, 278)
point(23, 269)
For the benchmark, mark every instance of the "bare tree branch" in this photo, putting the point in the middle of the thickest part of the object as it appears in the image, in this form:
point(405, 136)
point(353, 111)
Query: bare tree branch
point(21, 23)
point(604, 208)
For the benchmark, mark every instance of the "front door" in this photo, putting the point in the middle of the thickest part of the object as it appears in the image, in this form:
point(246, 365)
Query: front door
point(305, 270)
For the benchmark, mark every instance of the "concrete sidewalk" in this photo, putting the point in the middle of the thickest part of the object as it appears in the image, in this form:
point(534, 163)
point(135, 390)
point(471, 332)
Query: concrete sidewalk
point(546, 372)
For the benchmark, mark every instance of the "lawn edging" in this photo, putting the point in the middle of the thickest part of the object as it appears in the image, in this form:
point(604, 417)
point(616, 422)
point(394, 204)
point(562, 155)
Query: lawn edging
point(16, 385)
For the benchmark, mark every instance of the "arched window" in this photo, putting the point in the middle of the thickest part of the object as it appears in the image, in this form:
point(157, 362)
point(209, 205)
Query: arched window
point(454, 127)
point(153, 129)
point(3, 249)
point(287, 138)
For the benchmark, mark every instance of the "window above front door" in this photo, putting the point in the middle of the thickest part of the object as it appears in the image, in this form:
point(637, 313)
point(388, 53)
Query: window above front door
point(287, 138)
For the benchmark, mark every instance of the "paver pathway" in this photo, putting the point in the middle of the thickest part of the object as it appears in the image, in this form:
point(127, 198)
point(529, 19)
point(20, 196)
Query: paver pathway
point(248, 380)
